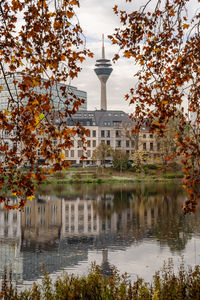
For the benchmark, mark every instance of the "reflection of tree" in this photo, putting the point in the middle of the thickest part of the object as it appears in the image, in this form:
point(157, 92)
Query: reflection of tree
point(117, 202)
point(160, 216)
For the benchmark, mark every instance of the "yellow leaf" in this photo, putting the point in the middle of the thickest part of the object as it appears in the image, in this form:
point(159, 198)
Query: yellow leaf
point(164, 102)
point(31, 197)
point(1, 87)
point(185, 26)
point(62, 155)
point(14, 194)
point(7, 112)
point(156, 50)
point(41, 116)
point(51, 171)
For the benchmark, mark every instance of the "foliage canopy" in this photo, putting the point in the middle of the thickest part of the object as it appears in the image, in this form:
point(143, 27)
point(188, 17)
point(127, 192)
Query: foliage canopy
point(42, 42)
point(163, 38)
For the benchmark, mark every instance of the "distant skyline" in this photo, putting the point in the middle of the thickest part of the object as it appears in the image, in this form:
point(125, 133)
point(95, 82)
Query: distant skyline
point(97, 17)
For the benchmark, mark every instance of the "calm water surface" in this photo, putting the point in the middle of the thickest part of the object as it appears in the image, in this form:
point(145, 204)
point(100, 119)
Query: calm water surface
point(135, 227)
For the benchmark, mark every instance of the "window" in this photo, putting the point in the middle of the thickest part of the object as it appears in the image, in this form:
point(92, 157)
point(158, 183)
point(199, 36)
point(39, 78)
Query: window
point(89, 134)
point(151, 136)
point(144, 136)
point(158, 147)
point(81, 207)
point(108, 142)
point(88, 143)
point(127, 151)
point(102, 133)
point(80, 143)
point(94, 144)
point(88, 153)
point(118, 144)
point(151, 146)
point(80, 153)
point(116, 123)
point(108, 133)
point(144, 146)
point(94, 133)
point(72, 153)
point(132, 144)
point(118, 133)
point(127, 144)
point(67, 153)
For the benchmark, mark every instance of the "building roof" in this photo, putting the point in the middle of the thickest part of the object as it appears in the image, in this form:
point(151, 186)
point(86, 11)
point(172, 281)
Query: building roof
point(102, 118)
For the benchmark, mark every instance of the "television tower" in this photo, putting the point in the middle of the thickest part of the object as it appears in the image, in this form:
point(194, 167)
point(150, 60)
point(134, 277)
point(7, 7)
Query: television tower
point(103, 70)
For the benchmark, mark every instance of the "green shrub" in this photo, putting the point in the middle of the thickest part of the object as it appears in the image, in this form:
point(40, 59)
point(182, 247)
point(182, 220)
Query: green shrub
point(77, 176)
point(166, 285)
point(59, 175)
point(151, 166)
point(146, 170)
point(99, 180)
point(171, 176)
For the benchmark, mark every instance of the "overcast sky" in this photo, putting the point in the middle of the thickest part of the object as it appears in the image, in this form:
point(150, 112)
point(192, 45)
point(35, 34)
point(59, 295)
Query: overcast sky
point(97, 17)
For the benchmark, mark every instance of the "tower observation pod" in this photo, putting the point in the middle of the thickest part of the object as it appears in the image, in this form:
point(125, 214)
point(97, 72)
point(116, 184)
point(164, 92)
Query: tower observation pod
point(103, 70)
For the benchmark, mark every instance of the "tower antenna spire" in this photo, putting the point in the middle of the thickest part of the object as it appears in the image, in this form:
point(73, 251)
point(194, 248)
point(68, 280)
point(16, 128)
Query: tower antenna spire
point(103, 49)
point(103, 70)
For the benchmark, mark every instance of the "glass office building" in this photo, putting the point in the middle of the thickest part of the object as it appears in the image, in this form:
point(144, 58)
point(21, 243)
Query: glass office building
point(57, 99)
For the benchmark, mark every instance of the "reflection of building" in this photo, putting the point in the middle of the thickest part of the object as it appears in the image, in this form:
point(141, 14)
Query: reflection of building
point(10, 241)
point(59, 232)
point(41, 220)
point(79, 218)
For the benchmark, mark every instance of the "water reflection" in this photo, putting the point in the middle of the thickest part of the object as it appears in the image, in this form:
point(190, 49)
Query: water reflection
point(64, 223)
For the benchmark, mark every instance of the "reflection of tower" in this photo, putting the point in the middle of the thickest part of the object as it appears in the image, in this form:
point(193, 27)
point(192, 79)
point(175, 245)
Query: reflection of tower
point(106, 268)
point(103, 72)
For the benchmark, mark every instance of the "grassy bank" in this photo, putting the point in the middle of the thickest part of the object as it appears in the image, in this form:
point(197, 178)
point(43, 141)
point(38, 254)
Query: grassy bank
point(109, 176)
point(166, 285)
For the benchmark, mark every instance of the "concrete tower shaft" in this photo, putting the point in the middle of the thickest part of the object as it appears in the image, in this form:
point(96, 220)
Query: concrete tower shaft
point(103, 70)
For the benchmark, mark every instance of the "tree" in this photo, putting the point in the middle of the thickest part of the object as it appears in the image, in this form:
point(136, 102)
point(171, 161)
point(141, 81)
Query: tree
point(167, 142)
point(43, 42)
point(101, 152)
point(162, 37)
point(120, 160)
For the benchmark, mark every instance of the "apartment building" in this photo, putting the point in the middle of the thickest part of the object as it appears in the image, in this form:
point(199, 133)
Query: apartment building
point(114, 128)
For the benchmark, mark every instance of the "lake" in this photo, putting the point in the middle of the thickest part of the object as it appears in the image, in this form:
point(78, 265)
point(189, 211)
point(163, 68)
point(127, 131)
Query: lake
point(135, 227)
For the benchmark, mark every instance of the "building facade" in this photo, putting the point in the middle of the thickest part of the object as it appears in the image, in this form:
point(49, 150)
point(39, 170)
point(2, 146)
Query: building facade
point(114, 128)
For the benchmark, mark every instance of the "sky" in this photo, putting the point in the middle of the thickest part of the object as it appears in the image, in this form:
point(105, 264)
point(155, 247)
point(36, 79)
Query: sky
point(97, 17)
